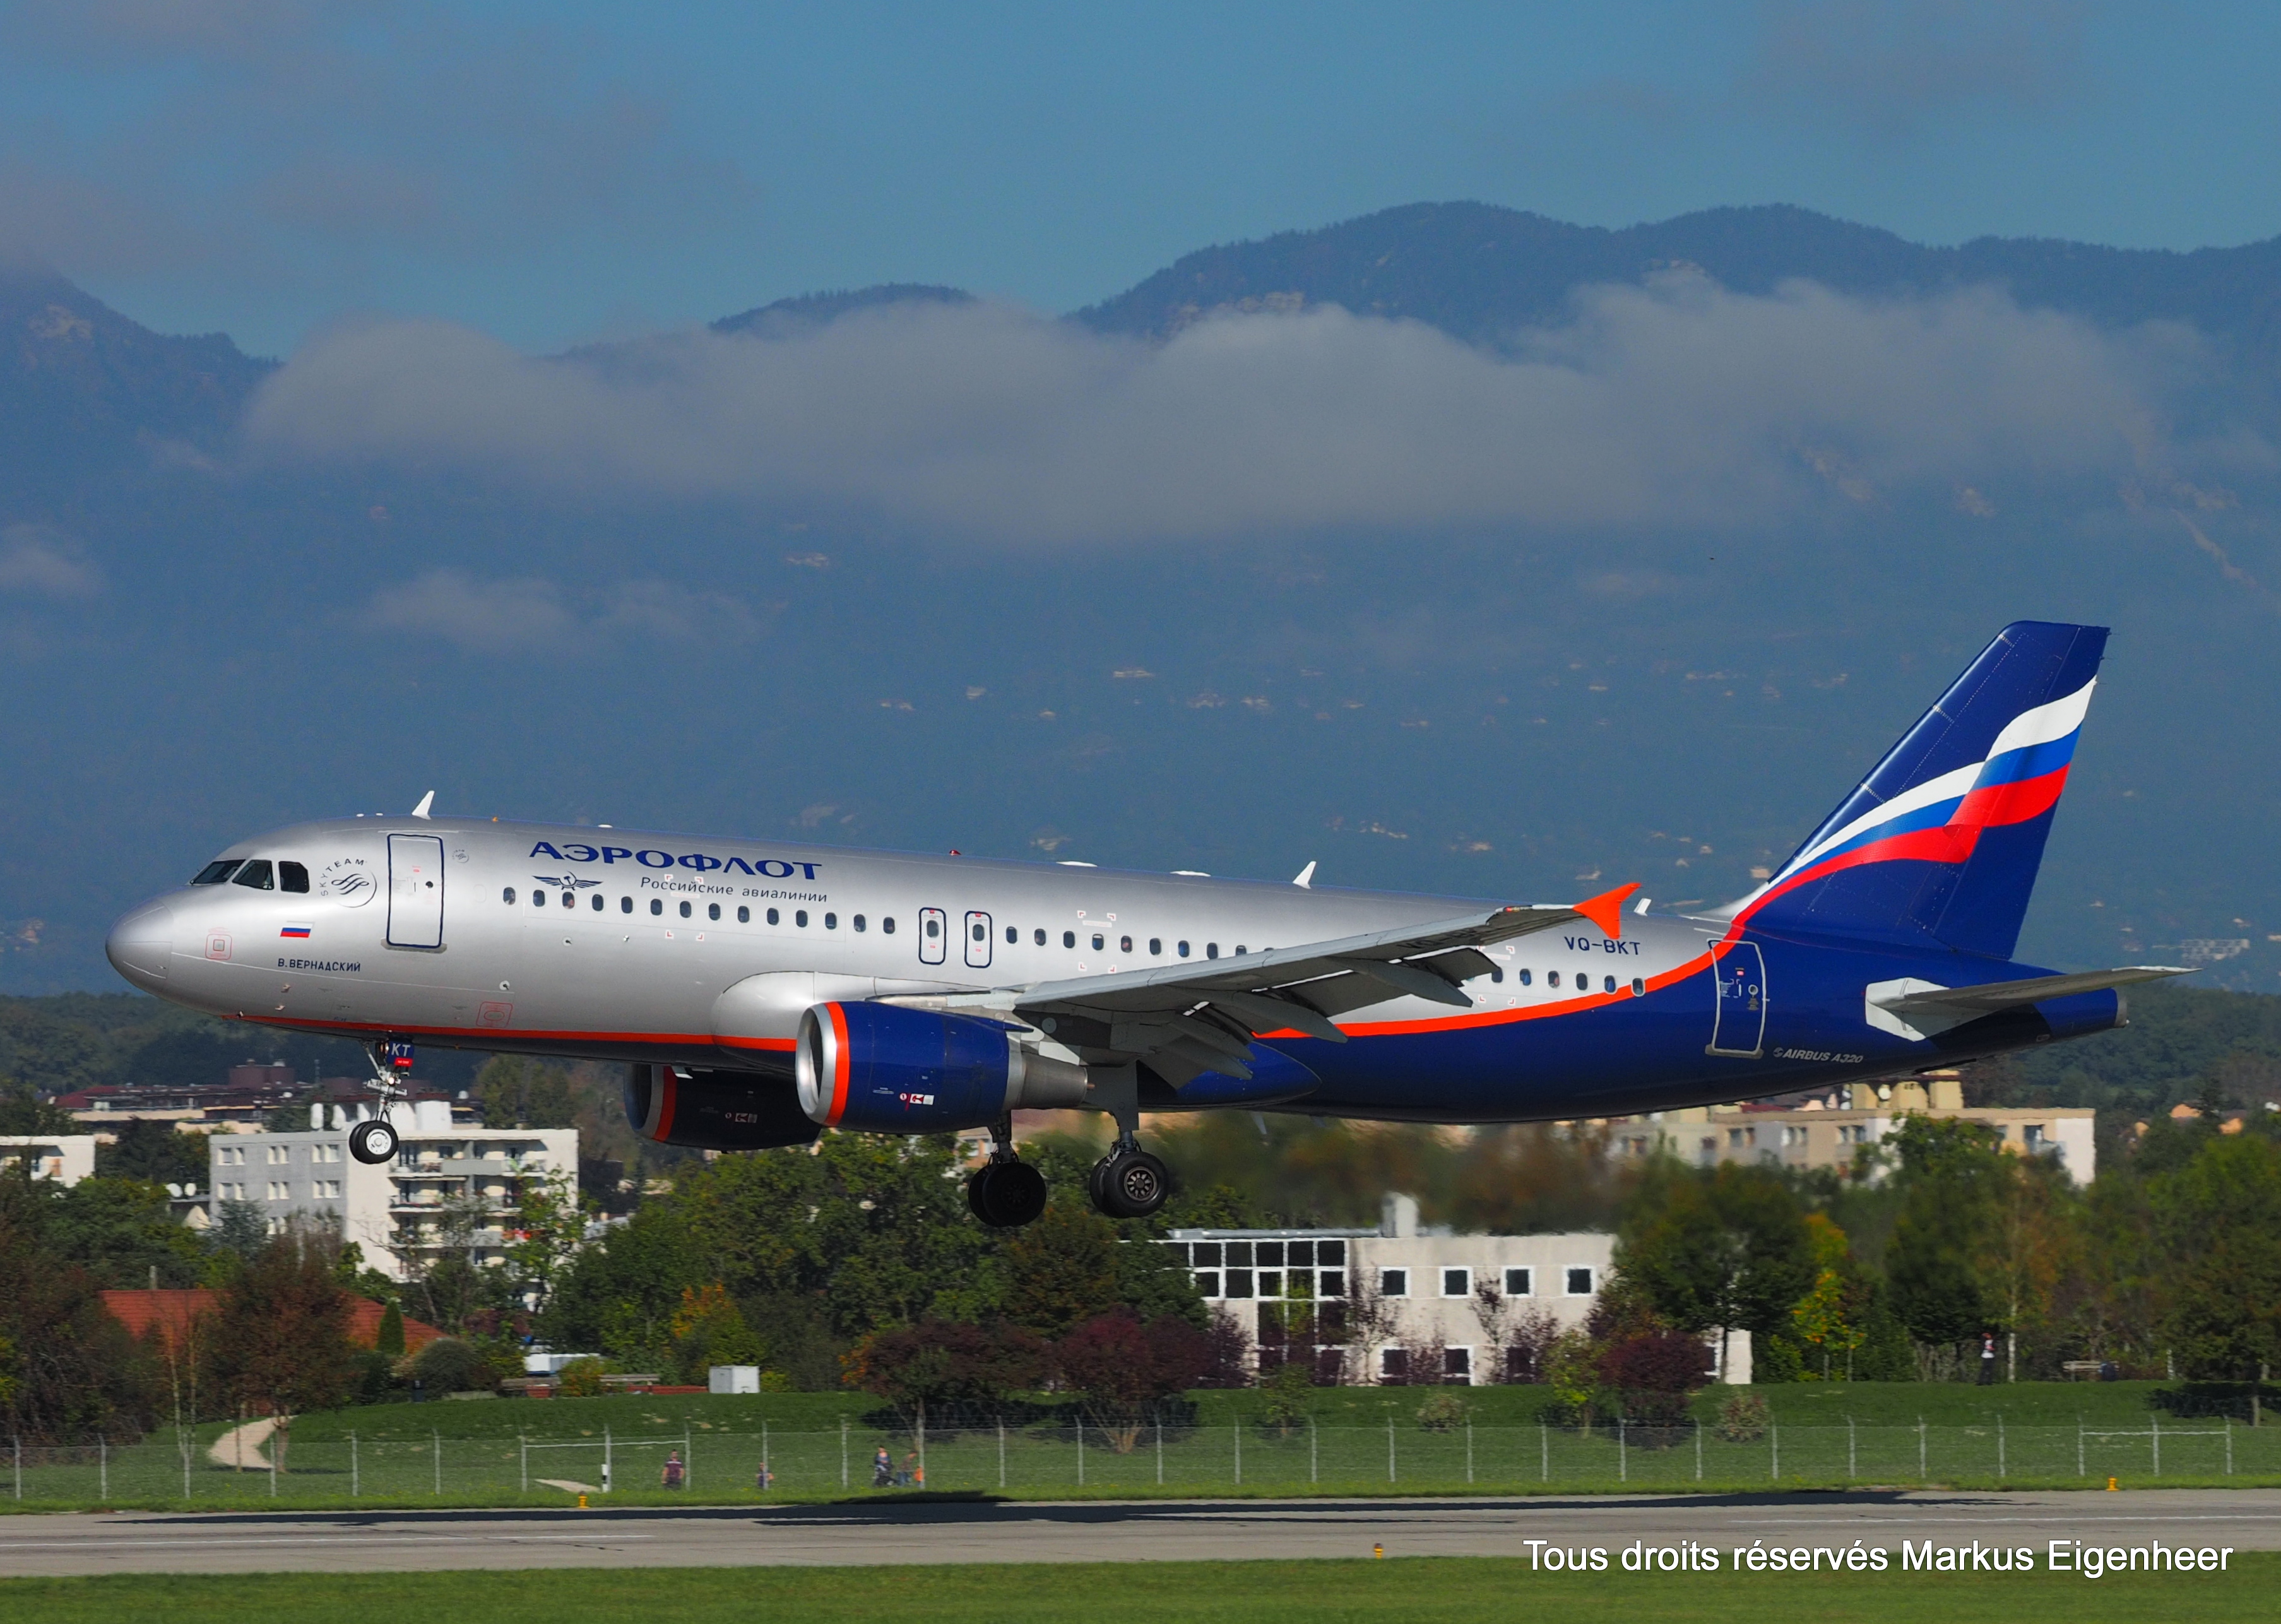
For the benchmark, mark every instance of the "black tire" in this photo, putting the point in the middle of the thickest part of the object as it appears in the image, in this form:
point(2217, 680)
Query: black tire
point(373, 1143)
point(1007, 1194)
point(1130, 1185)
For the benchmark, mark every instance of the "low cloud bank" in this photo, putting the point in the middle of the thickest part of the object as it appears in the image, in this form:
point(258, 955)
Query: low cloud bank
point(1675, 403)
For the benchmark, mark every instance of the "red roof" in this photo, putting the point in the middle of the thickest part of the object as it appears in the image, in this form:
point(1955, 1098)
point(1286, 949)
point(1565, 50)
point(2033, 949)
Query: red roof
point(172, 1313)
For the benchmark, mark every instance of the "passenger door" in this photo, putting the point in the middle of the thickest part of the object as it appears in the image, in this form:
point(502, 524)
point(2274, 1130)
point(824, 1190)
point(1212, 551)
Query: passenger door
point(977, 941)
point(1738, 1021)
point(933, 928)
point(416, 891)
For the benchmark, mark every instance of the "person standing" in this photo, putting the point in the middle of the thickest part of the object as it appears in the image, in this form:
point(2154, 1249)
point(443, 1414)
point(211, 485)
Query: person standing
point(675, 1472)
point(883, 1469)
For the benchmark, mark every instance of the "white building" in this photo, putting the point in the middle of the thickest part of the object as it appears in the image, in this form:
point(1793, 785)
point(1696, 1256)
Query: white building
point(396, 1212)
point(1425, 1281)
point(65, 1157)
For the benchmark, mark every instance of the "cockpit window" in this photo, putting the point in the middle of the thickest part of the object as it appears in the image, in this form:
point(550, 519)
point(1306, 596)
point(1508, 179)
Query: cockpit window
point(219, 869)
point(292, 876)
point(256, 874)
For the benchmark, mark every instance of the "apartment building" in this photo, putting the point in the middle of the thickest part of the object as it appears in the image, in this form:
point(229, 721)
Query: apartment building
point(406, 1211)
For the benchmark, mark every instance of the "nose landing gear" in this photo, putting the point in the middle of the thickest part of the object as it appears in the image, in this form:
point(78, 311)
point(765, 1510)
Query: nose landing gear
point(374, 1142)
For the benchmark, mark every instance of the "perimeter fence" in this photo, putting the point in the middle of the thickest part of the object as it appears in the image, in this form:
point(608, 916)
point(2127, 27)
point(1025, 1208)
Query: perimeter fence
point(1035, 1460)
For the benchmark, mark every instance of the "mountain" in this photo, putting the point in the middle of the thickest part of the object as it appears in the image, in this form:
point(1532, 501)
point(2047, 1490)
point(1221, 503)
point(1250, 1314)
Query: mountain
point(1478, 271)
point(816, 309)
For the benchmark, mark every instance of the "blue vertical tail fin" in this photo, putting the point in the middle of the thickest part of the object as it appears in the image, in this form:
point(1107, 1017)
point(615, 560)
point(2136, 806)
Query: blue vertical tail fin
point(1938, 847)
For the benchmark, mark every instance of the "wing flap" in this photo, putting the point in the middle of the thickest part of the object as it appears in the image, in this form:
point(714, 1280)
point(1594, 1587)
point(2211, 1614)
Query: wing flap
point(1992, 996)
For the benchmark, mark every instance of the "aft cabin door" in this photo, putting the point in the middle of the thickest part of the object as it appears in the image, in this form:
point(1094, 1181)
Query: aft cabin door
point(1738, 1023)
point(416, 891)
point(977, 941)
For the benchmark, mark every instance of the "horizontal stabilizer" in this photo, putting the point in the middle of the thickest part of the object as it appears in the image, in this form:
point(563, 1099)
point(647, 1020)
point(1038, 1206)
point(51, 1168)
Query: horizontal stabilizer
point(1918, 1009)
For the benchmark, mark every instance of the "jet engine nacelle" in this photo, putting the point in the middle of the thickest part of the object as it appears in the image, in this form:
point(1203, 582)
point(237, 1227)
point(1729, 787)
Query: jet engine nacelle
point(715, 1111)
point(883, 1068)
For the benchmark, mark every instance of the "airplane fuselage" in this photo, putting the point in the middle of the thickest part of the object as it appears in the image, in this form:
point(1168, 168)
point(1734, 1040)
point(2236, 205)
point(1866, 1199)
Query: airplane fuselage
point(703, 952)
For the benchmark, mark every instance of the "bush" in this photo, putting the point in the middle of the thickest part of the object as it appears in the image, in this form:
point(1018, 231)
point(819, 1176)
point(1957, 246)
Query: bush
point(449, 1365)
point(580, 1379)
point(1442, 1412)
point(1743, 1418)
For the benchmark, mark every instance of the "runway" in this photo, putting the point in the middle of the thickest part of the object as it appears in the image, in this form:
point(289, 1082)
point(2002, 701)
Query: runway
point(1126, 1531)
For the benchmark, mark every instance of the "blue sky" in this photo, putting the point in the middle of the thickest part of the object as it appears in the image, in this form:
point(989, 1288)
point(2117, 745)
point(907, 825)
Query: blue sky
point(552, 174)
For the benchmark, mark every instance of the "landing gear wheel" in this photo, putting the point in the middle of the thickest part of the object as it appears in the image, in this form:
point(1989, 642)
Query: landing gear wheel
point(1007, 1194)
point(372, 1143)
point(1130, 1186)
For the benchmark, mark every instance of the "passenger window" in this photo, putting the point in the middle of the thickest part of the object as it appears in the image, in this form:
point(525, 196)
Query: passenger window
point(1155, 946)
point(217, 871)
point(255, 875)
point(507, 895)
point(1552, 978)
point(1211, 949)
point(933, 926)
point(745, 916)
point(713, 910)
point(1240, 950)
point(1607, 984)
point(1096, 941)
point(539, 898)
point(292, 876)
point(1069, 939)
point(859, 922)
point(1184, 949)
point(656, 906)
point(799, 917)
point(1496, 976)
point(774, 916)
point(1125, 944)
point(685, 910)
point(569, 898)
point(597, 901)
point(1012, 935)
point(1523, 978)
point(832, 921)
point(1039, 937)
point(1639, 987)
point(625, 905)
point(887, 924)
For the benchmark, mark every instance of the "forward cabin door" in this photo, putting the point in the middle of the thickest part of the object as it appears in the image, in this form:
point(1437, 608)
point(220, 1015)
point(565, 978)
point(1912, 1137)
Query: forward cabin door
point(1738, 1021)
point(933, 929)
point(977, 941)
point(416, 891)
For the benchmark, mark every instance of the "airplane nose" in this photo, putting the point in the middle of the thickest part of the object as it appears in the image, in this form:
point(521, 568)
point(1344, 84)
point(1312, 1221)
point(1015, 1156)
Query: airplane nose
point(139, 944)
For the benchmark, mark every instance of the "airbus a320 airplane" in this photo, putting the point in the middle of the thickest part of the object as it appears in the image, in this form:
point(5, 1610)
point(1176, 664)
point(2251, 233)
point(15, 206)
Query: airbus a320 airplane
point(764, 992)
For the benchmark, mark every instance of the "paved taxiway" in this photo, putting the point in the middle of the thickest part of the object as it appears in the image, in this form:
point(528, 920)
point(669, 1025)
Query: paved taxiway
point(380, 1541)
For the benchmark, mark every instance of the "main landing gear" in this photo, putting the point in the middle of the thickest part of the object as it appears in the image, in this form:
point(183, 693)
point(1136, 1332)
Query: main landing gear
point(1006, 1193)
point(1128, 1182)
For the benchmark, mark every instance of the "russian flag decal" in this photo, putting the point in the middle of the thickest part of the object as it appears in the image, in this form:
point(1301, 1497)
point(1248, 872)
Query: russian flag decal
point(296, 930)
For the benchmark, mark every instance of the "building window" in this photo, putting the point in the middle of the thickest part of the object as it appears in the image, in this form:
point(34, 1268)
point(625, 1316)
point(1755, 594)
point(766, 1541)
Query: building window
point(1270, 1282)
point(1457, 1282)
point(1239, 1283)
point(1331, 1283)
point(1519, 1283)
point(1457, 1366)
point(1394, 1282)
point(1208, 1282)
point(1208, 1254)
point(1393, 1365)
point(1580, 1282)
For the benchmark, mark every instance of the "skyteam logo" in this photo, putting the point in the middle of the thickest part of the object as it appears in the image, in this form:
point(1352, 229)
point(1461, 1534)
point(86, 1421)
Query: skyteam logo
point(1942, 819)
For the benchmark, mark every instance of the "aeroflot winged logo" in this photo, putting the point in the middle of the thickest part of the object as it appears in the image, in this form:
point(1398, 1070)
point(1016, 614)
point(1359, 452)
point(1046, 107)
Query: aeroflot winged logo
point(765, 868)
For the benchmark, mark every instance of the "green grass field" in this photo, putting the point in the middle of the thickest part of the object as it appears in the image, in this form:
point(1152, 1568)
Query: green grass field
point(1358, 1441)
point(1460, 1590)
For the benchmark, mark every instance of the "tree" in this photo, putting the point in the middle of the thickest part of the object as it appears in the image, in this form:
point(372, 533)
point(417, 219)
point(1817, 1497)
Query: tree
point(1120, 1368)
point(389, 1338)
point(548, 1228)
point(516, 1091)
point(709, 1329)
point(67, 1368)
point(22, 1110)
point(942, 1365)
point(281, 1342)
point(2220, 1218)
point(119, 1230)
point(1941, 1260)
point(152, 1152)
point(1372, 1322)
point(1720, 1250)
point(1829, 1319)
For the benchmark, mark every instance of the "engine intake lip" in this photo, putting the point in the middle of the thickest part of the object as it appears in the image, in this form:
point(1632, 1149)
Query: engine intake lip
point(820, 1063)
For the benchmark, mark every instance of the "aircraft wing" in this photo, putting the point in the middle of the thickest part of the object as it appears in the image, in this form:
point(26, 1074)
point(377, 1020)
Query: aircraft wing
point(1193, 1017)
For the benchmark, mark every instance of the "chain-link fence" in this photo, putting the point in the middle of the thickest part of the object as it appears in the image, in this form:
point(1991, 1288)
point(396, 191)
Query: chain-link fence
point(1033, 1460)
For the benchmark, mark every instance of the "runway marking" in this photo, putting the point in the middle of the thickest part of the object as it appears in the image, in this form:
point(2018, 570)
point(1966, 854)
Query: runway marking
point(102, 1544)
